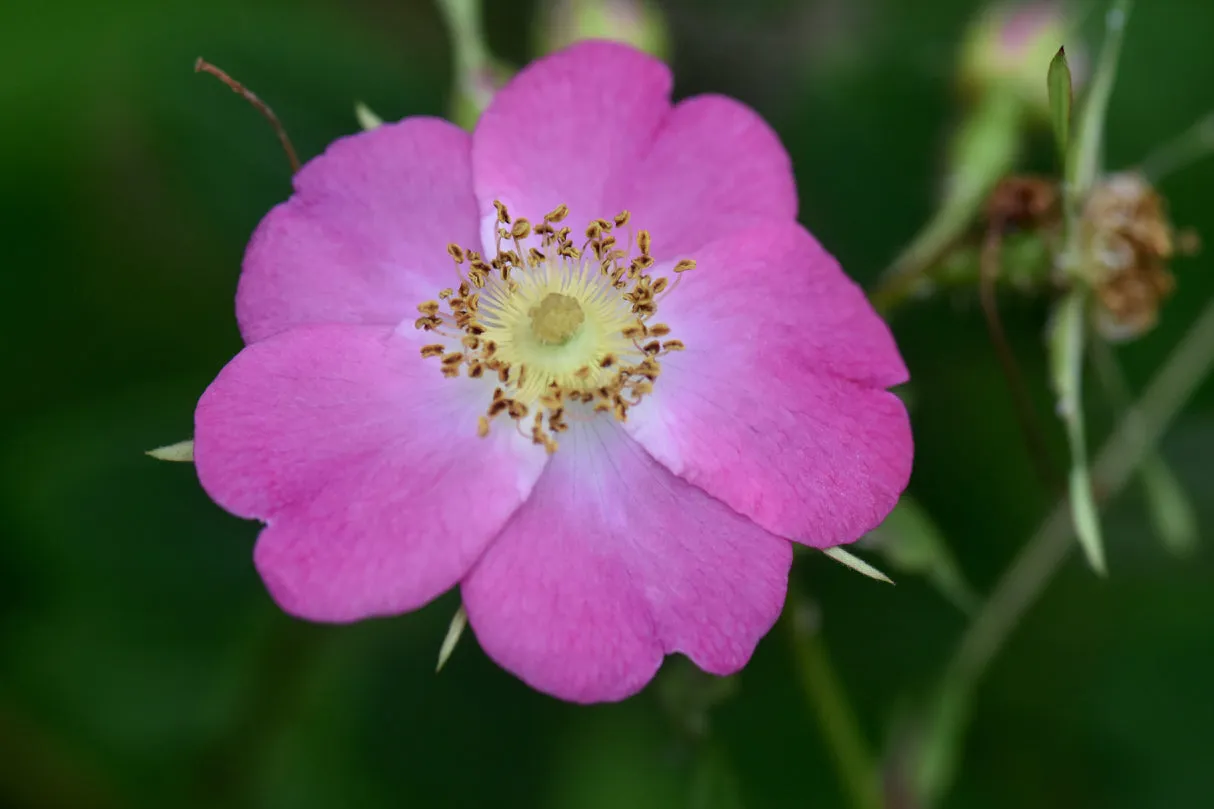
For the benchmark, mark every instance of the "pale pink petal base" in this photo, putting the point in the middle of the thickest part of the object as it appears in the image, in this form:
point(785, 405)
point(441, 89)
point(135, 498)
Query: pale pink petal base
point(777, 406)
point(364, 463)
point(613, 563)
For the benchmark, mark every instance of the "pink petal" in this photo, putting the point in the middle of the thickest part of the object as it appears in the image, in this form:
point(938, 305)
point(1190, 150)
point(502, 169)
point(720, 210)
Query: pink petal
point(567, 123)
point(715, 167)
point(364, 238)
point(777, 405)
point(365, 465)
point(684, 173)
point(613, 563)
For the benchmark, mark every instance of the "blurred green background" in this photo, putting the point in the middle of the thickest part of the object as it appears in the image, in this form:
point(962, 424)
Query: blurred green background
point(141, 662)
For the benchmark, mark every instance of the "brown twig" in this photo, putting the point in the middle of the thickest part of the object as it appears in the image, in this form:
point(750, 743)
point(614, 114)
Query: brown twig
point(203, 66)
point(989, 265)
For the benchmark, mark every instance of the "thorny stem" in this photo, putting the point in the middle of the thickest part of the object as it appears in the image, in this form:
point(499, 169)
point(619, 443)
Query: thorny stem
point(1131, 442)
point(820, 684)
point(203, 66)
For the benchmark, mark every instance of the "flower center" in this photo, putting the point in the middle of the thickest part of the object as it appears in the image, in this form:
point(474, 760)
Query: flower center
point(567, 330)
point(557, 318)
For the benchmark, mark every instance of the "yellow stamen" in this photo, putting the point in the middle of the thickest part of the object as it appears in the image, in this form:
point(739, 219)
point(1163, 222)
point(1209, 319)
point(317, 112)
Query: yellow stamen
point(561, 327)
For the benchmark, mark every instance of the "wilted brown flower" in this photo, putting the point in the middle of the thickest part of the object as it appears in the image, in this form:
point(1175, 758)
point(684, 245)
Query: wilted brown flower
point(1127, 243)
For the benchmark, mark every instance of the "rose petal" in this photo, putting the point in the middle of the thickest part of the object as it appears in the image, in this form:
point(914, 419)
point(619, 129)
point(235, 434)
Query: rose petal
point(614, 562)
point(364, 238)
point(559, 131)
point(714, 167)
point(365, 464)
point(777, 406)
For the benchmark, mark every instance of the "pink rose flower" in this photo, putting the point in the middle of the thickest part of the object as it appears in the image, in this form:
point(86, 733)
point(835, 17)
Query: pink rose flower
point(582, 363)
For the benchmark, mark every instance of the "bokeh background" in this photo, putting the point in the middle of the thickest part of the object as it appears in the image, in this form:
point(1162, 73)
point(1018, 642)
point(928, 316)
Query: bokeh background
point(143, 665)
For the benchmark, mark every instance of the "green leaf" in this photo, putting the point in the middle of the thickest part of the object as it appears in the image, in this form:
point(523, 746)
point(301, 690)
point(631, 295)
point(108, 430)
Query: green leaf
point(1084, 162)
point(1059, 84)
point(857, 564)
point(1066, 360)
point(912, 543)
point(181, 452)
point(459, 622)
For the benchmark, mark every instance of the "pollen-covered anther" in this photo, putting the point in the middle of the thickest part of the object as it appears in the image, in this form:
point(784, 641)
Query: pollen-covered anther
point(566, 328)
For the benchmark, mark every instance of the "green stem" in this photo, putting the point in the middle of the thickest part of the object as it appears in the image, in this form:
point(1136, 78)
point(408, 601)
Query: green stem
point(1083, 165)
point(984, 149)
point(1025, 264)
point(1124, 451)
point(853, 762)
point(476, 73)
point(1173, 514)
point(468, 41)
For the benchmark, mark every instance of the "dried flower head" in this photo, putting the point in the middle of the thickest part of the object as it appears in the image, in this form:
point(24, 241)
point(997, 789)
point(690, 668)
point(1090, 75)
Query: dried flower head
point(1127, 243)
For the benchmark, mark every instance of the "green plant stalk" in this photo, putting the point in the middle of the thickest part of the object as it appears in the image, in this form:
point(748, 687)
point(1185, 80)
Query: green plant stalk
point(1025, 264)
point(1085, 157)
point(824, 693)
point(1066, 343)
point(1171, 511)
point(984, 150)
point(475, 68)
point(1130, 444)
